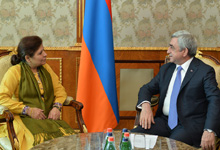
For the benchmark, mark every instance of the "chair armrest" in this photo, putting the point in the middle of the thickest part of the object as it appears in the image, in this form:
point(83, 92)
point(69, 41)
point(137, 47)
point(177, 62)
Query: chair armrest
point(8, 117)
point(154, 102)
point(68, 100)
point(78, 107)
point(217, 143)
point(2, 109)
point(137, 118)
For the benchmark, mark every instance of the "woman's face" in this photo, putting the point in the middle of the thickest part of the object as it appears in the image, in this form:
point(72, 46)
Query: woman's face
point(38, 59)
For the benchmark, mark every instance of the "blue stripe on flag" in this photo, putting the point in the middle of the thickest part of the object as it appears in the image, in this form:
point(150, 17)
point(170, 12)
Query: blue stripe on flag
point(98, 37)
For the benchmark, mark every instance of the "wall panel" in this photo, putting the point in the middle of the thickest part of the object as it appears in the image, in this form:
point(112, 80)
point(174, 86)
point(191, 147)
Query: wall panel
point(129, 58)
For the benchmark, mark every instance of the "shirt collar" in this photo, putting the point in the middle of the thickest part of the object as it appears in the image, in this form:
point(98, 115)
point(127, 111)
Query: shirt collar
point(185, 65)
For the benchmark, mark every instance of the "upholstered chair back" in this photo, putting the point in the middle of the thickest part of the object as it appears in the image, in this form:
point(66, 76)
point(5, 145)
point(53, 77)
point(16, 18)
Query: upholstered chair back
point(214, 63)
point(5, 64)
point(208, 59)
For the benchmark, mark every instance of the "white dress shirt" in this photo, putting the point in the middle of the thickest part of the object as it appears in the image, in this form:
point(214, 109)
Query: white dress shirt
point(166, 106)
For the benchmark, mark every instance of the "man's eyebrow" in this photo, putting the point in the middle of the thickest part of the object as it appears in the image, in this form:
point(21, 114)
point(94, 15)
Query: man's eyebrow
point(41, 50)
point(170, 45)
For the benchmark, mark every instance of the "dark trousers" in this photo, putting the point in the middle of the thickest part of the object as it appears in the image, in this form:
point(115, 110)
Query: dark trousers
point(161, 128)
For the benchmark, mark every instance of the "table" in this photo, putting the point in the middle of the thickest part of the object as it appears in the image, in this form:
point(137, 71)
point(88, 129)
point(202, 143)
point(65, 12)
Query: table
point(92, 141)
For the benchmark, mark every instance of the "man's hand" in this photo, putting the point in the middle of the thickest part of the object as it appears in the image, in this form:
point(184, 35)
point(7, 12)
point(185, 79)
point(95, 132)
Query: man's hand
point(36, 113)
point(54, 114)
point(146, 117)
point(208, 141)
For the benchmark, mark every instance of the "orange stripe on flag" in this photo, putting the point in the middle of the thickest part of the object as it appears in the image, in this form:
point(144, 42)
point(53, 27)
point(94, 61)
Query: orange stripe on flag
point(91, 93)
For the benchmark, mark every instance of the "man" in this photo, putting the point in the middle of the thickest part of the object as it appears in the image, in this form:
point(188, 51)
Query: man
point(189, 103)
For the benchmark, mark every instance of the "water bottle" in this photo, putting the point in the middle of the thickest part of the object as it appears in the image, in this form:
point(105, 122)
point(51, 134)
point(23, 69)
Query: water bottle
point(125, 144)
point(109, 134)
point(111, 144)
point(122, 135)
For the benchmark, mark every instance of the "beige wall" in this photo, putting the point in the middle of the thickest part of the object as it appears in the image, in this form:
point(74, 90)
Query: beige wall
point(53, 20)
point(149, 23)
point(136, 23)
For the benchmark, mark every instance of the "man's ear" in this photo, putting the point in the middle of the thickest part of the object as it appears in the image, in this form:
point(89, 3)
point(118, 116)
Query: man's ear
point(186, 51)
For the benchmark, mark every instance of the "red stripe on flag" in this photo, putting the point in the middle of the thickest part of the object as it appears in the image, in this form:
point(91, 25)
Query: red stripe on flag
point(97, 111)
point(108, 2)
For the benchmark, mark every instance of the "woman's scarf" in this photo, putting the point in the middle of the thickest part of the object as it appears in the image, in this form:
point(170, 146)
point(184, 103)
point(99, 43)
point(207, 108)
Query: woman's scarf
point(29, 94)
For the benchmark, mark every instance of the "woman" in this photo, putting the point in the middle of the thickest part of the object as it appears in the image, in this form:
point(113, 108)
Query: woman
point(31, 90)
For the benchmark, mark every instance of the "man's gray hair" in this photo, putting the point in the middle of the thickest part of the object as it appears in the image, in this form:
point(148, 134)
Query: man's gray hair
point(186, 40)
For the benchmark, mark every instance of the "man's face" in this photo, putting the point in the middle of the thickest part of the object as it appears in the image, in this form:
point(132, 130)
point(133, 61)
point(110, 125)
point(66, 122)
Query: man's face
point(176, 56)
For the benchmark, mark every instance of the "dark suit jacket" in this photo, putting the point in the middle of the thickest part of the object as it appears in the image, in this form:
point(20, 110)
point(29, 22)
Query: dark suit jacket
point(198, 103)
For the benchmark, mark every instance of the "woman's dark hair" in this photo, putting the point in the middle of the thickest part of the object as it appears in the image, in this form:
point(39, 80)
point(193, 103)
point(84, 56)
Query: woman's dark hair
point(27, 46)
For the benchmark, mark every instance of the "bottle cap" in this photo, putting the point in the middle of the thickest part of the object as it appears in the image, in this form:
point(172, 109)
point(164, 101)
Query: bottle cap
point(111, 139)
point(126, 134)
point(109, 134)
point(109, 129)
point(124, 130)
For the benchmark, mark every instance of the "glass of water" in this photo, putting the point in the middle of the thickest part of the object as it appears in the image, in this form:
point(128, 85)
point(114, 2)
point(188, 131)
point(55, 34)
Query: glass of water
point(139, 141)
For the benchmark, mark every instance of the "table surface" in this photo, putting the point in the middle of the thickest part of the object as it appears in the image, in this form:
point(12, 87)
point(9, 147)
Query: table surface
point(93, 141)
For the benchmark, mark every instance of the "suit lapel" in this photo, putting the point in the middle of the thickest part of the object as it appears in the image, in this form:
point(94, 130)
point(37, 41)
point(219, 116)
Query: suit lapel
point(164, 84)
point(190, 72)
point(167, 79)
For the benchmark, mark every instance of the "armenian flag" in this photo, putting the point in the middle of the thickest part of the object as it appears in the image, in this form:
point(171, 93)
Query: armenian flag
point(96, 81)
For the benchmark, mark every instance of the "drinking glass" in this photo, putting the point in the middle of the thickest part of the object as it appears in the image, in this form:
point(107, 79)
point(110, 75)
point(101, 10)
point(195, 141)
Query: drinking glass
point(83, 142)
point(78, 144)
point(96, 141)
point(147, 143)
point(88, 144)
point(139, 141)
point(103, 138)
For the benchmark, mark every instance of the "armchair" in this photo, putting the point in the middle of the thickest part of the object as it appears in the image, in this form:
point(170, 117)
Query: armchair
point(7, 117)
point(154, 102)
point(215, 63)
point(208, 59)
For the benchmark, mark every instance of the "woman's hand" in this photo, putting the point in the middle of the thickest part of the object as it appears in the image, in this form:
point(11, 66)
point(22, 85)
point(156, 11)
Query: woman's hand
point(36, 113)
point(54, 114)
